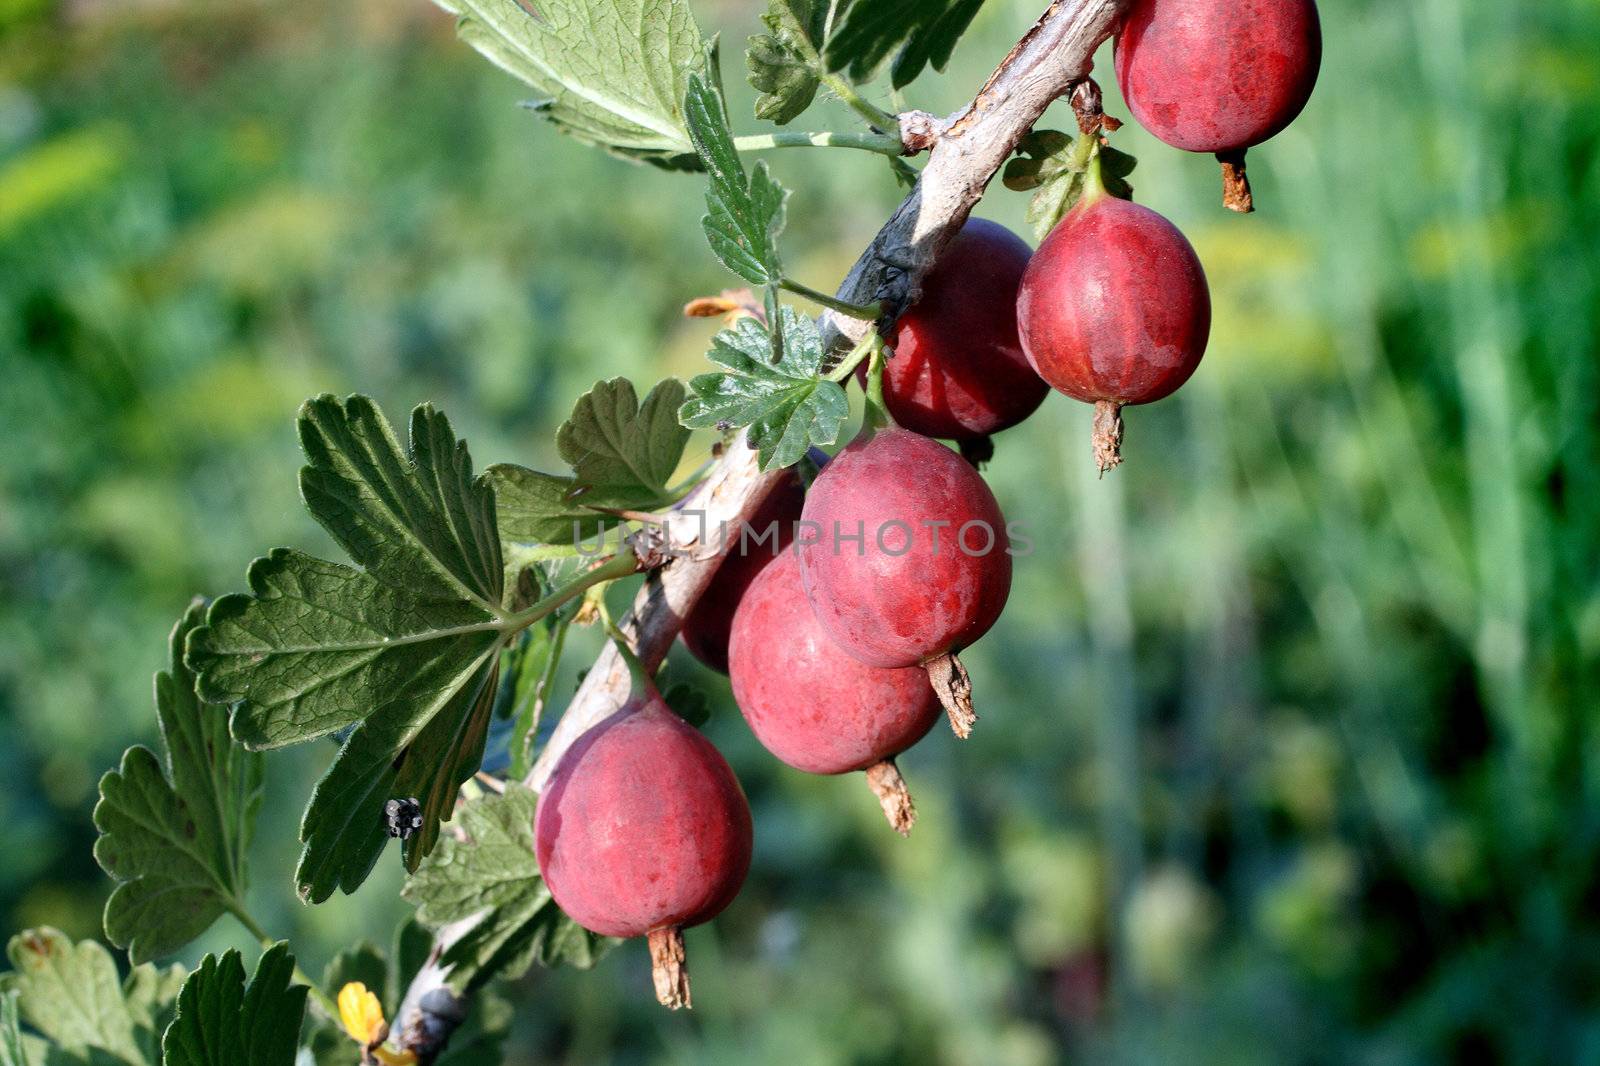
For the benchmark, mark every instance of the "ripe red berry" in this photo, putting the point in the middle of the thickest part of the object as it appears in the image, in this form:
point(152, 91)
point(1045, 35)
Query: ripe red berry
point(958, 370)
point(815, 707)
point(1219, 75)
point(1114, 310)
point(643, 830)
point(706, 627)
point(903, 552)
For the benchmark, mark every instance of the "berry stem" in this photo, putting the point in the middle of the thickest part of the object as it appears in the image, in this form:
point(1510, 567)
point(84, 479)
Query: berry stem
point(642, 681)
point(886, 783)
point(1107, 435)
point(1236, 194)
point(953, 685)
point(1094, 182)
point(876, 414)
point(669, 968)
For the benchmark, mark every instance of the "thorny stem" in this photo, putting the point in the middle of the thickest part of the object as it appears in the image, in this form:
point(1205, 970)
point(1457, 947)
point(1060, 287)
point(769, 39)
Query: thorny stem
point(865, 312)
point(881, 143)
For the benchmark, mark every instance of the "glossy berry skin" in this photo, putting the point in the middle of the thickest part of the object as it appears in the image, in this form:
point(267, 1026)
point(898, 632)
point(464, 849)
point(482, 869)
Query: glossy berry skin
point(958, 371)
point(1218, 75)
point(902, 599)
point(807, 701)
point(706, 628)
point(1114, 306)
point(643, 825)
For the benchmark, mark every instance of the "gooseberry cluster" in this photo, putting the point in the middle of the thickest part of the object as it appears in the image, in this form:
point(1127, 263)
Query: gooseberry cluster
point(841, 636)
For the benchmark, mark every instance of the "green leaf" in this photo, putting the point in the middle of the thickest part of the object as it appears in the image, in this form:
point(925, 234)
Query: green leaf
point(623, 448)
point(787, 406)
point(539, 508)
point(175, 834)
point(220, 1022)
point(1056, 166)
point(623, 454)
point(785, 62)
point(493, 872)
point(745, 215)
point(406, 649)
point(70, 994)
point(924, 32)
point(611, 74)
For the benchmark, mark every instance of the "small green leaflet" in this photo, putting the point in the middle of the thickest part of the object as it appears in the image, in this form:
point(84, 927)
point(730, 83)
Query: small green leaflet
point(1056, 165)
point(924, 31)
point(494, 873)
point(70, 994)
point(784, 63)
point(611, 74)
point(623, 454)
point(405, 649)
point(220, 1022)
point(745, 215)
point(619, 446)
point(786, 406)
point(174, 834)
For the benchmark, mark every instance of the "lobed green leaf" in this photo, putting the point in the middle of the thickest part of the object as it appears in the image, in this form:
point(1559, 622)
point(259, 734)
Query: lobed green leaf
point(785, 406)
point(175, 834)
point(610, 74)
point(622, 447)
point(221, 1022)
point(785, 63)
point(404, 650)
point(744, 215)
point(69, 993)
point(920, 32)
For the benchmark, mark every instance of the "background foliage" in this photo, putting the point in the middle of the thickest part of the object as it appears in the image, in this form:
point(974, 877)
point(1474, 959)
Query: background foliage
point(1289, 752)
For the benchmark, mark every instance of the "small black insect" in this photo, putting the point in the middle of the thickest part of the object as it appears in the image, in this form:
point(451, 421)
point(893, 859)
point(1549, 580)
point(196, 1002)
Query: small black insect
point(402, 817)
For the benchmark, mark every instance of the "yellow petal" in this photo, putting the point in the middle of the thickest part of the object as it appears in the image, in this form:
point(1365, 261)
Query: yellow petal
point(360, 1012)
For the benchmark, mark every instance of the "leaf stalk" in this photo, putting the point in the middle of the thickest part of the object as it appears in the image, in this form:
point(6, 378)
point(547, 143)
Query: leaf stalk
point(881, 143)
point(865, 312)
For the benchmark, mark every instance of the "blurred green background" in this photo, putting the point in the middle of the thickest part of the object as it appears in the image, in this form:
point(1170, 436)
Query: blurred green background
point(1290, 751)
